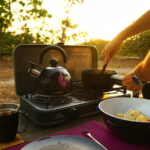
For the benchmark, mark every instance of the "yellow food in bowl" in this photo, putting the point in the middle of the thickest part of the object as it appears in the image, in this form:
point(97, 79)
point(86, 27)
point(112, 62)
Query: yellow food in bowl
point(135, 115)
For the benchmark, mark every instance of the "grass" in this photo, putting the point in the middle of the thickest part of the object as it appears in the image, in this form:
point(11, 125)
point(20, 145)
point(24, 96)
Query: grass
point(7, 87)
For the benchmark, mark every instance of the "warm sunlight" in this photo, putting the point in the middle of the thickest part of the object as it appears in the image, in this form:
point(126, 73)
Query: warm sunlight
point(101, 18)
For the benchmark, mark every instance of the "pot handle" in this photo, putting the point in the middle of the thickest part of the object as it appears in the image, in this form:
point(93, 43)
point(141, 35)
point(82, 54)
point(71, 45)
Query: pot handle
point(117, 78)
point(52, 47)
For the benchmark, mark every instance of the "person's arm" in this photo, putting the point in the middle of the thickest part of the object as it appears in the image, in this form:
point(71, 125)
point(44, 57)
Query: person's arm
point(142, 71)
point(140, 25)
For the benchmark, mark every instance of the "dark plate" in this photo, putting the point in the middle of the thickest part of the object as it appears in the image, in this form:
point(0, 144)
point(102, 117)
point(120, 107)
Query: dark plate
point(63, 142)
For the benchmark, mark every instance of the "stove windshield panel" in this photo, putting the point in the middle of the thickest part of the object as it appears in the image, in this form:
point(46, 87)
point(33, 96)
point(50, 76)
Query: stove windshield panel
point(79, 58)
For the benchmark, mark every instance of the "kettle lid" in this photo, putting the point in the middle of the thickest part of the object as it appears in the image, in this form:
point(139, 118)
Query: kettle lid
point(54, 62)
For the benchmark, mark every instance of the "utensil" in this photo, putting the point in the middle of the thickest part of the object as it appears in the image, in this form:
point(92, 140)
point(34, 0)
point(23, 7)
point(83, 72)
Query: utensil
point(94, 79)
point(104, 68)
point(129, 130)
point(89, 135)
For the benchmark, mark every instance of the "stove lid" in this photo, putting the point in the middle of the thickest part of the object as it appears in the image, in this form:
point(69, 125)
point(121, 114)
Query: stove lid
point(79, 58)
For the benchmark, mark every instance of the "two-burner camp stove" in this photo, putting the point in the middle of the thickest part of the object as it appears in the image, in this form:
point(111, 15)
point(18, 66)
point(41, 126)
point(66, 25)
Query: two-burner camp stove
point(47, 110)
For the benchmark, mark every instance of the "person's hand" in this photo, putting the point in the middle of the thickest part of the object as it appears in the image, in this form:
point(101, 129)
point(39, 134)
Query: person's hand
point(128, 83)
point(110, 50)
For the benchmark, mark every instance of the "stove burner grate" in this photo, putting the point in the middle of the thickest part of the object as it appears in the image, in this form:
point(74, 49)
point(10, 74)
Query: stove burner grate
point(50, 100)
point(83, 93)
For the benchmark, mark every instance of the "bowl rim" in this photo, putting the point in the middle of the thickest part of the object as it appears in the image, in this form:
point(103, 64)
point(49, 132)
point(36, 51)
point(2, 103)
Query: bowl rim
point(6, 109)
point(123, 119)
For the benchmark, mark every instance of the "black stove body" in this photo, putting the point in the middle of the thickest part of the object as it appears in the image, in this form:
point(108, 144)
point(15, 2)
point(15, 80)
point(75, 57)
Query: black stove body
point(47, 110)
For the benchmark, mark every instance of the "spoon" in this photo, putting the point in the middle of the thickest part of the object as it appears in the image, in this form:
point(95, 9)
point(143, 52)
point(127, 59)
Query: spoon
point(104, 68)
point(89, 135)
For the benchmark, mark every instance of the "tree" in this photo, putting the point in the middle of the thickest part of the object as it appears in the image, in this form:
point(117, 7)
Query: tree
point(23, 12)
point(30, 12)
point(137, 45)
point(67, 30)
point(5, 15)
point(17, 16)
point(98, 43)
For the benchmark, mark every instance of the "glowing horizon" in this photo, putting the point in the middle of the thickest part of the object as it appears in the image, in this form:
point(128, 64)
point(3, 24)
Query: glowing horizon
point(100, 18)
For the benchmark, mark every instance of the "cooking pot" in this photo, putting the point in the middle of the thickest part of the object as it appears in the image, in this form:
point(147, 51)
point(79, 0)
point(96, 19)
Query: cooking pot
point(53, 79)
point(94, 79)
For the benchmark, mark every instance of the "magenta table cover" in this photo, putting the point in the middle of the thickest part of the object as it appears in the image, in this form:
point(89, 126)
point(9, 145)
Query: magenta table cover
point(100, 132)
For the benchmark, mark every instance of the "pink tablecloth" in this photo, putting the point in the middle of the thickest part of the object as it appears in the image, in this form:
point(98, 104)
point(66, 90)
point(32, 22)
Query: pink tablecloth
point(100, 132)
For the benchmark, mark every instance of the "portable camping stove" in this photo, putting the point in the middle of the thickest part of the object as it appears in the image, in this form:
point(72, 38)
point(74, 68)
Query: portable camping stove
point(44, 110)
point(47, 110)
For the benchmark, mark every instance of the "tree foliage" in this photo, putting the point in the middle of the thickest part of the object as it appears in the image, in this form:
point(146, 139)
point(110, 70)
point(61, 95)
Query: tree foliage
point(5, 15)
point(21, 11)
point(68, 29)
point(98, 43)
point(24, 13)
point(137, 45)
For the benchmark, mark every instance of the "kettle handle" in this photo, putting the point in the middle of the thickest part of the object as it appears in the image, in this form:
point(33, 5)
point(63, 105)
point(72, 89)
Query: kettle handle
point(61, 50)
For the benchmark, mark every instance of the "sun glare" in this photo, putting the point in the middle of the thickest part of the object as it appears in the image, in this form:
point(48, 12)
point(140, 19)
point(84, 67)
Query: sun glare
point(101, 18)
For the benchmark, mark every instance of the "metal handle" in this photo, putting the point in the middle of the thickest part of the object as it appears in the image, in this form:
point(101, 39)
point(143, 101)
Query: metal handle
point(49, 48)
point(32, 65)
point(34, 72)
point(104, 68)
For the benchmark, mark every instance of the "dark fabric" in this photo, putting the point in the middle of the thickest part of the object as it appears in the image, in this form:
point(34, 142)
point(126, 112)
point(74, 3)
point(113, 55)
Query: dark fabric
point(100, 132)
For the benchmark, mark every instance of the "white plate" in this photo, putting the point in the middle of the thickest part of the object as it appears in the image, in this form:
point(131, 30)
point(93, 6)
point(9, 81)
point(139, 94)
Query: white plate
point(63, 142)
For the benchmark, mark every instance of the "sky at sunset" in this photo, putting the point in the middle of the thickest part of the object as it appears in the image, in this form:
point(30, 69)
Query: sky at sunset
point(100, 18)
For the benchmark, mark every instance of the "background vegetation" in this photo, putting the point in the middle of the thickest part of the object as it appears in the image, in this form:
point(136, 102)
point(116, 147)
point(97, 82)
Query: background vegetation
point(137, 45)
point(16, 17)
point(23, 12)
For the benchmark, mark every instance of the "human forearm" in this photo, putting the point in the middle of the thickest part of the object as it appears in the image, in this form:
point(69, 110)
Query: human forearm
point(140, 25)
point(143, 69)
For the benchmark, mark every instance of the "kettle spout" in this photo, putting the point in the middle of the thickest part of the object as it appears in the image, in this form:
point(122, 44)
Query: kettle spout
point(33, 71)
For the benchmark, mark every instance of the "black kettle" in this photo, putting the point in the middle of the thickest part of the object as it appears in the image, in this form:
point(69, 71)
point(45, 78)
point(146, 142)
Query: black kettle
point(53, 79)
